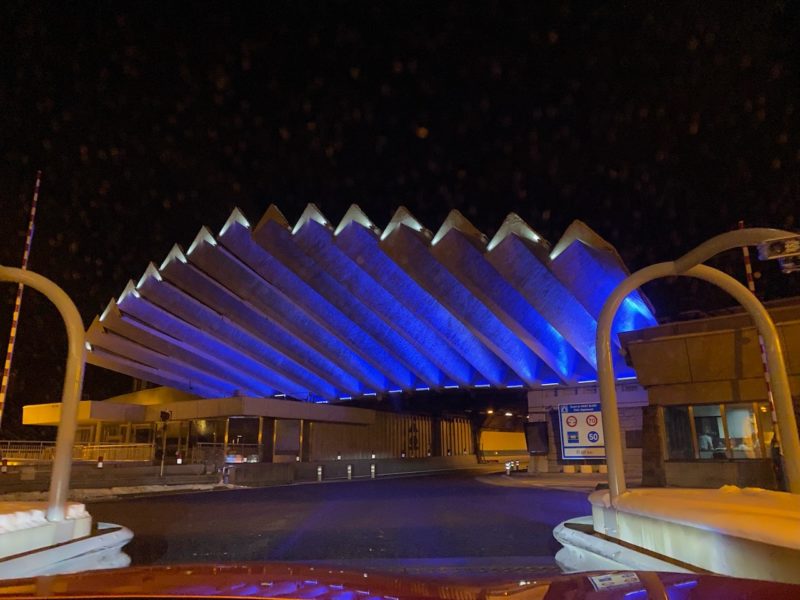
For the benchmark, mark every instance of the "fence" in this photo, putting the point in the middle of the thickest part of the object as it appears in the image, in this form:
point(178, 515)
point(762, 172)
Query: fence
point(30, 451)
point(219, 453)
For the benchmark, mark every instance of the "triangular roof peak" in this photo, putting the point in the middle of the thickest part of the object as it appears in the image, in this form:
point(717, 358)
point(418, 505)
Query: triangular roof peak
point(273, 213)
point(236, 216)
point(110, 308)
point(354, 213)
point(150, 272)
point(513, 224)
point(204, 235)
point(455, 220)
point(580, 231)
point(176, 253)
point(403, 216)
point(311, 213)
point(130, 289)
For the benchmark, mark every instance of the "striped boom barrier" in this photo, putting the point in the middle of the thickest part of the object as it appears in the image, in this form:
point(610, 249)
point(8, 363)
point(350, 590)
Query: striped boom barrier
point(18, 302)
point(751, 285)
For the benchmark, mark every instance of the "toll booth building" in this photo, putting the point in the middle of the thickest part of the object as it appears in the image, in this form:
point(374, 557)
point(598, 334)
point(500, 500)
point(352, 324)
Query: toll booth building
point(707, 419)
point(307, 342)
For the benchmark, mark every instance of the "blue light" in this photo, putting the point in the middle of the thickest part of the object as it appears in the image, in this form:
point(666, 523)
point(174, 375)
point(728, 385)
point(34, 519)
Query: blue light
point(587, 380)
point(345, 397)
point(451, 387)
point(630, 378)
point(369, 394)
point(549, 384)
point(515, 386)
point(482, 385)
point(423, 389)
point(395, 391)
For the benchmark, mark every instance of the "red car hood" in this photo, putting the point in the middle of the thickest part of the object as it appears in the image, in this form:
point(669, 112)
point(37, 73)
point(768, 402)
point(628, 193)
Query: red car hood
point(291, 581)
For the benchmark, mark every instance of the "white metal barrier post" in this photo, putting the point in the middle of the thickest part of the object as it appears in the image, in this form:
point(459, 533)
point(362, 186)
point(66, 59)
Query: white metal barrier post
point(73, 383)
point(689, 265)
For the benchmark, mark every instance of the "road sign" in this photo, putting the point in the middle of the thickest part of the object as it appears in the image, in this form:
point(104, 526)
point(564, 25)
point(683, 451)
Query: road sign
point(581, 431)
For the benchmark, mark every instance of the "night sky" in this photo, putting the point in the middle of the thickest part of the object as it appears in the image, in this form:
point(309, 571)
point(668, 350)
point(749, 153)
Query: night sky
point(658, 124)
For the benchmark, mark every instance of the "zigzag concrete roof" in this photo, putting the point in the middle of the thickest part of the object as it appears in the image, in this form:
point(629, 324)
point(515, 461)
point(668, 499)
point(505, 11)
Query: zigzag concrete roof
point(324, 313)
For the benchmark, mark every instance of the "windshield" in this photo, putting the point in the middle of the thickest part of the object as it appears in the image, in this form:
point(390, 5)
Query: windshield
point(343, 273)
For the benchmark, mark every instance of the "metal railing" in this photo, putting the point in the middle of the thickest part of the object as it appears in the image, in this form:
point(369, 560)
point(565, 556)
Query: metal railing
point(211, 452)
point(32, 451)
point(27, 450)
point(113, 452)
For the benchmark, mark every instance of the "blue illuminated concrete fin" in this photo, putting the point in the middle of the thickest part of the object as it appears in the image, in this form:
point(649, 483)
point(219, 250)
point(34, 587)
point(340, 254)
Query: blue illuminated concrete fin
point(330, 329)
point(354, 214)
point(312, 213)
point(121, 364)
point(155, 328)
point(272, 214)
point(267, 314)
point(237, 217)
point(513, 224)
point(458, 253)
point(108, 339)
point(315, 291)
point(361, 246)
point(403, 216)
point(456, 347)
point(500, 350)
point(202, 309)
point(519, 264)
point(455, 220)
point(591, 268)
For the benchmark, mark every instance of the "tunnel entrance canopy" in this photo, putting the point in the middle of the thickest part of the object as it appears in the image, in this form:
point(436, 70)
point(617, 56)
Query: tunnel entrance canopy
point(332, 313)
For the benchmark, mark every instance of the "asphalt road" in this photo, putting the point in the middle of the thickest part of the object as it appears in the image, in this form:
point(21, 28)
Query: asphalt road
point(434, 517)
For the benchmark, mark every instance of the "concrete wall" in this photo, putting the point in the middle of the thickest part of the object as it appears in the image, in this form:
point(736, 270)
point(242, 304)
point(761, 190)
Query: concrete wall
point(390, 436)
point(714, 474)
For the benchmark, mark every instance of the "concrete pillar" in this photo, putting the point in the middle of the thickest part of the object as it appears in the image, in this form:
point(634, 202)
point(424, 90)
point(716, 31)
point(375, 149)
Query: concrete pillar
point(306, 428)
point(267, 439)
point(436, 436)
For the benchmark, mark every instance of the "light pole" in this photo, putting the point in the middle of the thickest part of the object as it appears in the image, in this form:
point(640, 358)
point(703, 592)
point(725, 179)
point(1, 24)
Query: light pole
point(689, 265)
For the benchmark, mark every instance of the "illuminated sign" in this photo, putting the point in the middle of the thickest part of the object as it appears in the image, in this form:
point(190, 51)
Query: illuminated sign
point(581, 431)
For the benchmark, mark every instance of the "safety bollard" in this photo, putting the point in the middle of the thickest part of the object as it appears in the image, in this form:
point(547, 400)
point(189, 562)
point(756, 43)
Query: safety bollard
point(349, 471)
point(4, 466)
point(372, 471)
point(516, 465)
point(100, 462)
point(178, 458)
point(508, 468)
point(319, 473)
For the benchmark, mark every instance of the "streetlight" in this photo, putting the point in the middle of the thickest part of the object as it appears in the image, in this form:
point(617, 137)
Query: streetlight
point(690, 265)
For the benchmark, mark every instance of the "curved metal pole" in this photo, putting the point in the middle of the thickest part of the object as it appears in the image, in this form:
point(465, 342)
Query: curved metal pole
point(73, 383)
point(727, 241)
point(787, 426)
